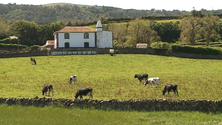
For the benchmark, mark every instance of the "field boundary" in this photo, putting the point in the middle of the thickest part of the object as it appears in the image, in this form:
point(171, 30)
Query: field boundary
point(94, 51)
point(24, 54)
point(114, 104)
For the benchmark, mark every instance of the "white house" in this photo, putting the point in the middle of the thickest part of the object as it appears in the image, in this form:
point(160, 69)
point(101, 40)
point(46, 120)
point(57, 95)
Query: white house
point(83, 37)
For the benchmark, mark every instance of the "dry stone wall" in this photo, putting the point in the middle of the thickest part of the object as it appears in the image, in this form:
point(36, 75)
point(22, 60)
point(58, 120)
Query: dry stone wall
point(24, 54)
point(136, 105)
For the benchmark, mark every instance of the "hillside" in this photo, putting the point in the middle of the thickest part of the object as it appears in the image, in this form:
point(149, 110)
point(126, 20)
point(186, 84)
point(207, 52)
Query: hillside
point(43, 14)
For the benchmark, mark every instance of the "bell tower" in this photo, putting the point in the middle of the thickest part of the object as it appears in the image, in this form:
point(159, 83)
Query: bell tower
point(99, 27)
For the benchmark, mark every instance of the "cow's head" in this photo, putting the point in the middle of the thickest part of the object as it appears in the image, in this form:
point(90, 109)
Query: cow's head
point(136, 76)
point(43, 92)
point(146, 83)
point(69, 82)
point(164, 91)
point(76, 96)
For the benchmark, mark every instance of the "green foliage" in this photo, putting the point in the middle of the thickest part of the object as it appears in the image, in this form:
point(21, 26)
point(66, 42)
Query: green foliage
point(34, 47)
point(141, 32)
point(168, 31)
point(45, 14)
point(30, 33)
point(4, 27)
point(160, 45)
point(196, 49)
point(14, 41)
point(9, 41)
point(13, 46)
point(6, 41)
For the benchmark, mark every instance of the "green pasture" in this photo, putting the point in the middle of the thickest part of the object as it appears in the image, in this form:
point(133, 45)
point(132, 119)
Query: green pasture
point(18, 115)
point(111, 77)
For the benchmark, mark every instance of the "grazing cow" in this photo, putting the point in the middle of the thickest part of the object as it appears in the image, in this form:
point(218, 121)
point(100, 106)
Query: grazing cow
point(47, 88)
point(72, 78)
point(33, 61)
point(141, 77)
point(170, 87)
point(151, 81)
point(84, 91)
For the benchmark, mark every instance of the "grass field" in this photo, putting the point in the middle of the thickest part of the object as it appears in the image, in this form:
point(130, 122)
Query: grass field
point(111, 77)
point(11, 115)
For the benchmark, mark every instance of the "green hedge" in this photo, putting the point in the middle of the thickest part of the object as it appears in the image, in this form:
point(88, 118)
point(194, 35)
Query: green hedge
point(160, 45)
point(9, 41)
point(34, 47)
point(13, 46)
point(196, 49)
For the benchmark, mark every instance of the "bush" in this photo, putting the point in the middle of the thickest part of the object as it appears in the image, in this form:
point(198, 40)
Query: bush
point(13, 46)
point(6, 41)
point(196, 49)
point(34, 47)
point(14, 41)
point(160, 45)
point(9, 41)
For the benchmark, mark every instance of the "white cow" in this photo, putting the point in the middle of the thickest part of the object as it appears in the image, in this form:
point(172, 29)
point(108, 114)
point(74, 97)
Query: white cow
point(73, 78)
point(150, 81)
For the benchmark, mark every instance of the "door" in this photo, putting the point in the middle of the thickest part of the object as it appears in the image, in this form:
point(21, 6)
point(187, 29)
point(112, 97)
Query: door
point(86, 44)
point(66, 45)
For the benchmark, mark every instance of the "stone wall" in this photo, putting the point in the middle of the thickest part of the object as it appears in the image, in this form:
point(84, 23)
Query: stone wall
point(24, 54)
point(136, 105)
point(93, 51)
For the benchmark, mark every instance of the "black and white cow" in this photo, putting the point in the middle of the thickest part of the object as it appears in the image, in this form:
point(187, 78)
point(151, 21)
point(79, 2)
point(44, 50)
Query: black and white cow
point(150, 81)
point(170, 87)
point(84, 91)
point(72, 78)
point(33, 61)
point(141, 77)
point(47, 88)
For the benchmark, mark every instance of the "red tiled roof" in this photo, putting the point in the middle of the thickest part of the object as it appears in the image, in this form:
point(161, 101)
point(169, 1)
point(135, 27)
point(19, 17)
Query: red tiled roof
point(47, 46)
point(50, 42)
point(13, 37)
point(141, 44)
point(76, 29)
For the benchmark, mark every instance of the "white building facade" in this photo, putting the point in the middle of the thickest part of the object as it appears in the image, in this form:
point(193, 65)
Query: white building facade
point(83, 37)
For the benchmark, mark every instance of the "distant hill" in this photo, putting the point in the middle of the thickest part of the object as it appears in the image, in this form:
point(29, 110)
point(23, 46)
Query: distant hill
point(43, 14)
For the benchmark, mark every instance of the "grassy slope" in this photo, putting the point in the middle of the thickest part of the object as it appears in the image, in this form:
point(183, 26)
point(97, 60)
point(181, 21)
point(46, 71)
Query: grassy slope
point(111, 77)
point(57, 116)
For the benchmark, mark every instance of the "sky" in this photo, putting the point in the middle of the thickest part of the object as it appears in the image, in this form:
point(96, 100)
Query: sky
point(186, 5)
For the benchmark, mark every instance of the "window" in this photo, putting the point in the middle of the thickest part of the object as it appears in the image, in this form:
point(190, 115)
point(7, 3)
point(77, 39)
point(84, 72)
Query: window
point(67, 45)
point(86, 35)
point(66, 35)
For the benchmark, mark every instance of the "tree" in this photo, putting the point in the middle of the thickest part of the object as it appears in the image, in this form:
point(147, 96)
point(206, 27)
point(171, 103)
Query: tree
point(141, 32)
point(4, 28)
point(26, 32)
point(119, 33)
point(196, 13)
point(30, 33)
point(190, 29)
point(208, 29)
point(68, 23)
point(168, 31)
